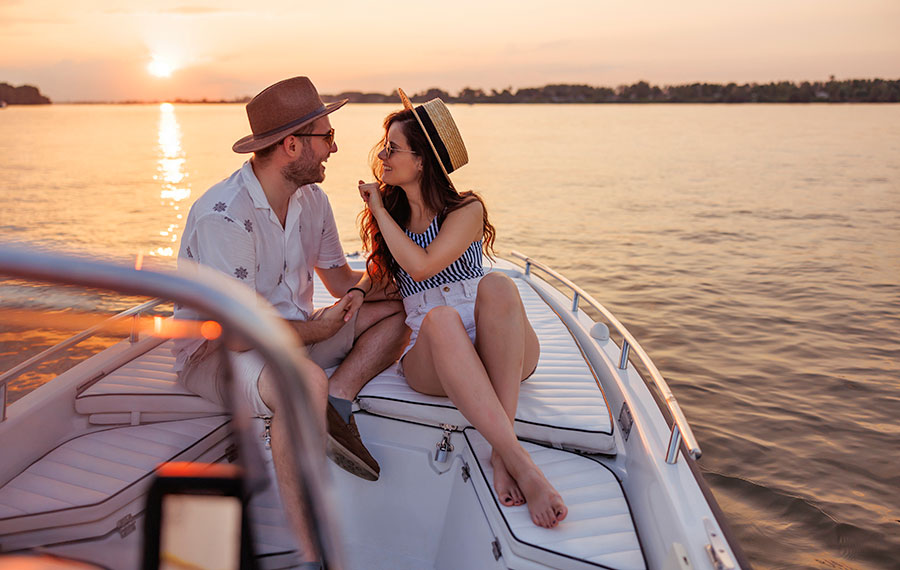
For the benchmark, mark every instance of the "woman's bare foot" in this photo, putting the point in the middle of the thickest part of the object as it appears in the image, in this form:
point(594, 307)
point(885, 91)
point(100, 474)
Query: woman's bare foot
point(545, 504)
point(507, 490)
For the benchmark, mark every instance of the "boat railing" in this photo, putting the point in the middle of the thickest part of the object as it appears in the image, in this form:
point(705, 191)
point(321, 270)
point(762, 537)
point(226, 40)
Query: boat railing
point(239, 316)
point(40, 358)
point(680, 430)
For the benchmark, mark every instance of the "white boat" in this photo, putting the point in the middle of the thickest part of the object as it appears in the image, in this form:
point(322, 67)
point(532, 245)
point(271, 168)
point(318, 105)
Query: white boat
point(80, 452)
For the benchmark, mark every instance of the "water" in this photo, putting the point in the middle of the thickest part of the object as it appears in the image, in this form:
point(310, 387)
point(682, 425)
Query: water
point(754, 250)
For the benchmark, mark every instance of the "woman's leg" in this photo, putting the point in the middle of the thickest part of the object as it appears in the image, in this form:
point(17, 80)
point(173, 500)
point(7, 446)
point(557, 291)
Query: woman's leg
point(444, 362)
point(509, 349)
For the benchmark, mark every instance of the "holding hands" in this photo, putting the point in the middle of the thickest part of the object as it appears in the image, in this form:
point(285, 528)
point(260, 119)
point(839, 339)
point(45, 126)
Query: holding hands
point(336, 315)
point(356, 297)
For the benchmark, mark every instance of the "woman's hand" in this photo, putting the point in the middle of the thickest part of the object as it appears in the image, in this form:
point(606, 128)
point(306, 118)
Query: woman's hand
point(328, 322)
point(371, 195)
point(340, 312)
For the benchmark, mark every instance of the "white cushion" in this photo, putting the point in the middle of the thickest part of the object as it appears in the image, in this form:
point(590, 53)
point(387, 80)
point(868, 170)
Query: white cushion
point(144, 390)
point(598, 528)
point(560, 404)
point(93, 475)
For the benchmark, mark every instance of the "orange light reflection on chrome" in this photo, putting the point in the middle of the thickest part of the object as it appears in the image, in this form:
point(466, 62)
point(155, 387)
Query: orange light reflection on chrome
point(161, 327)
point(211, 330)
point(194, 469)
point(182, 328)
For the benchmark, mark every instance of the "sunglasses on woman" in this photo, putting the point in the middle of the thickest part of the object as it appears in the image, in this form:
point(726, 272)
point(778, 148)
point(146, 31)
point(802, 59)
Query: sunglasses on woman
point(388, 150)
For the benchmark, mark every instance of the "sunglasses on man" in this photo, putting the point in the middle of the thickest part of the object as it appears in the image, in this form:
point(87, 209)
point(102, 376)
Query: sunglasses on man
point(329, 136)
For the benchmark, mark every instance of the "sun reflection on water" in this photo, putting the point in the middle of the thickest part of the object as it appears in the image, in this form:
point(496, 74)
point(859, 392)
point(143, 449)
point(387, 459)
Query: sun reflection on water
point(171, 174)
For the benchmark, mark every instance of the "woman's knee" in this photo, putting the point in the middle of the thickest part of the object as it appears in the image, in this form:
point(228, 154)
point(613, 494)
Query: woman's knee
point(441, 318)
point(498, 291)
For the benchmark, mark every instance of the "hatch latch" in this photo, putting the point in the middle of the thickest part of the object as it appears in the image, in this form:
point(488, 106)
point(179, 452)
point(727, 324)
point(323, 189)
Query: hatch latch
point(266, 435)
point(126, 525)
point(444, 447)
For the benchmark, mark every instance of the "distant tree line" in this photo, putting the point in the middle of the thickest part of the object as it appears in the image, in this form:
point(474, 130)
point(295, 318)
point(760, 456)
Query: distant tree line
point(831, 91)
point(23, 95)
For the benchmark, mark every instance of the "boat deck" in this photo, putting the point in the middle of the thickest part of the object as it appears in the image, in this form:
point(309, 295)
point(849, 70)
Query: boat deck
point(75, 479)
point(561, 404)
point(141, 406)
point(598, 529)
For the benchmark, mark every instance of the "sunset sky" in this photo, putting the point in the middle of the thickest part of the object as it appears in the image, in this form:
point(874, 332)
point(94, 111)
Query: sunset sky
point(123, 50)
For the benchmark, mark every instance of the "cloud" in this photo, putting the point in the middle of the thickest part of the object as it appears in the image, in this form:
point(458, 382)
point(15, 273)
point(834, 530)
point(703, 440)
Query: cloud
point(24, 21)
point(175, 10)
point(497, 75)
point(107, 80)
point(195, 10)
point(226, 49)
point(75, 81)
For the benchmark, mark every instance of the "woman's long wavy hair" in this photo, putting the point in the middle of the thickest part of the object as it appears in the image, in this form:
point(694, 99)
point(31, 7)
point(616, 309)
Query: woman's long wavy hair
point(438, 193)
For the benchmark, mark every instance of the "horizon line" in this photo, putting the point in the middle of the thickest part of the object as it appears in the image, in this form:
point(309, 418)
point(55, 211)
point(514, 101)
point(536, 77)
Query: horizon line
point(473, 94)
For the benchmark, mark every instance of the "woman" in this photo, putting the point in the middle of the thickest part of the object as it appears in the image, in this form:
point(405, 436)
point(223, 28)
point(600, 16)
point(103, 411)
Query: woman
point(471, 340)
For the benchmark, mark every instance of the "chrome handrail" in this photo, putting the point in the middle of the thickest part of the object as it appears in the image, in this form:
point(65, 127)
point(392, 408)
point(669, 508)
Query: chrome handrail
point(248, 318)
point(41, 357)
point(680, 427)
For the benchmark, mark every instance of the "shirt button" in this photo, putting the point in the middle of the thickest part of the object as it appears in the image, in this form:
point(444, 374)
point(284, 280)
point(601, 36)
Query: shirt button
point(446, 289)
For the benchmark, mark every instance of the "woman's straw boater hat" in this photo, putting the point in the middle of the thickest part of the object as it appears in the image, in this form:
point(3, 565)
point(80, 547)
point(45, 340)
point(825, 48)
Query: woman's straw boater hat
point(440, 130)
point(282, 109)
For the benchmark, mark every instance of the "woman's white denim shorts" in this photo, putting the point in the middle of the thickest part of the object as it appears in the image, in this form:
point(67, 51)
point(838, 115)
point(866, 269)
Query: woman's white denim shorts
point(460, 295)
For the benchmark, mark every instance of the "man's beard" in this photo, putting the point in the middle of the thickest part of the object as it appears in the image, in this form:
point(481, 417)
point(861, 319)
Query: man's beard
point(304, 170)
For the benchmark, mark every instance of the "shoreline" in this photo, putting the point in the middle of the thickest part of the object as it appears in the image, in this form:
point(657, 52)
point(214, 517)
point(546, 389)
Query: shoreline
point(875, 90)
point(625, 103)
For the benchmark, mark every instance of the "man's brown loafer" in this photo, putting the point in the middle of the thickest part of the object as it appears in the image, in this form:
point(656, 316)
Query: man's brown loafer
point(346, 448)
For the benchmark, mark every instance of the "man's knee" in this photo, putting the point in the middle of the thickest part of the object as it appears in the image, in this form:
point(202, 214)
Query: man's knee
point(380, 312)
point(315, 378)
point(398, 318)
point(268, 391)
point(391, 307)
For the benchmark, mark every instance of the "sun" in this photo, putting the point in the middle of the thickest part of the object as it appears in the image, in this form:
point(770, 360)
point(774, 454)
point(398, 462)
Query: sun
point(158, 67)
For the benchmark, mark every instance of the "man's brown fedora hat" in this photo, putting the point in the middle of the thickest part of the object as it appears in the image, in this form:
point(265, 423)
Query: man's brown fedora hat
point(282, 109)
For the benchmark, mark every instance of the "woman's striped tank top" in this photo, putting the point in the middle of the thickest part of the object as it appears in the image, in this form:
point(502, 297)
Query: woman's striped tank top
point(468, 265)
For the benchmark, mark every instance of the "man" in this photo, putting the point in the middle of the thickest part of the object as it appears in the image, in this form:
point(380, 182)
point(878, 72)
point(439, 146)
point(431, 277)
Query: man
point(270, 226)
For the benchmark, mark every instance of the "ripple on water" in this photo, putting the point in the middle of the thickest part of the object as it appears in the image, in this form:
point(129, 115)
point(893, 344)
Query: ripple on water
point(806, 535)
point(769, 302)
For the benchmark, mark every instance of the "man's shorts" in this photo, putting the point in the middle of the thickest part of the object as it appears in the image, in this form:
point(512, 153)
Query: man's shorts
point(332, 351)
point(204, 373)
